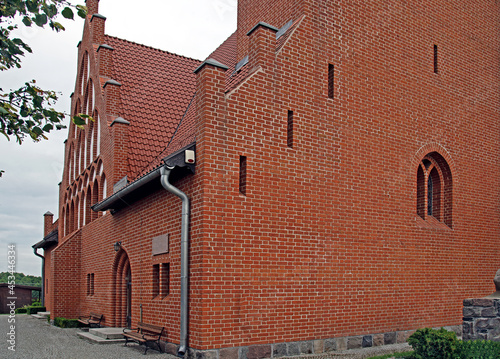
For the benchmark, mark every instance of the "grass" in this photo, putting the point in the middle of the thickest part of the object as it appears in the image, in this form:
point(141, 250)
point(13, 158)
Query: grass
point(393, 355)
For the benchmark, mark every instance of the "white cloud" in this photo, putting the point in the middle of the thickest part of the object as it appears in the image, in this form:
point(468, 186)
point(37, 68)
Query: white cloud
point(29, 188)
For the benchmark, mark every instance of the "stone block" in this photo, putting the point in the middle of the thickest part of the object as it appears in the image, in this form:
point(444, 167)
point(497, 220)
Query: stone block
point(378, 340)
point(481, 323)
point(259, 351)
point(467, 330)
point(318, 346)
point(228, 353)
point(279, 350)
point(342, 343)
point(482, 302)
point(494, 323)
point(367, 341)
point(242, 352)
point(354, 342)
point(468, 302)
point(306, 347)
point(205, 354)
point(402, 336)
point(482, 336)
point(293, 348)
point(171, 348)
point(390, 338)
point(330, 345)
point(471, 312)
point(489, 312)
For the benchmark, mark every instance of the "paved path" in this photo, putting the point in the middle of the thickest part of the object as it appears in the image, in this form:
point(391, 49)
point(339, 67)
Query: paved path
point(35, 338)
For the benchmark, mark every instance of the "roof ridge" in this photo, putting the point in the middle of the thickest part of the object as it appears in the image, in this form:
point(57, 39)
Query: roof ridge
point(152, 48)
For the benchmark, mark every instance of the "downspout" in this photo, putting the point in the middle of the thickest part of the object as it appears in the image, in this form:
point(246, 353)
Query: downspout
point(42, 294)
point(165, 174)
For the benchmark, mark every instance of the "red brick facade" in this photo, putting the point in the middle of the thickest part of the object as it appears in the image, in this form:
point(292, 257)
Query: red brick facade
point(339, 231)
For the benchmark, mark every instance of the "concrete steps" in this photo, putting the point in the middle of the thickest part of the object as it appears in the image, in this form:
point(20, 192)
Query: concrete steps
point(103, 335)
point(41, 315)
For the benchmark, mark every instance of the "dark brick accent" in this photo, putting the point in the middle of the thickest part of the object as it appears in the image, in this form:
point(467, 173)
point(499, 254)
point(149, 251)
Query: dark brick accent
point(367, 341)
point(390, 338)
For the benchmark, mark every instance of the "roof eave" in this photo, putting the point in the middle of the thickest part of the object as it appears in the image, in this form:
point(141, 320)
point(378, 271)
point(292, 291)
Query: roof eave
point(114, 201)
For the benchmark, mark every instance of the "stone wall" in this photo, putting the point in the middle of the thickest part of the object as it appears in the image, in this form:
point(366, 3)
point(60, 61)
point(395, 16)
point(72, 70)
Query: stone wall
point(280, 350)
point(481, 319)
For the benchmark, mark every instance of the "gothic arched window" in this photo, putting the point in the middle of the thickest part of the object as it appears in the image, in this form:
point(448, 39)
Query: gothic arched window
point(435, 189)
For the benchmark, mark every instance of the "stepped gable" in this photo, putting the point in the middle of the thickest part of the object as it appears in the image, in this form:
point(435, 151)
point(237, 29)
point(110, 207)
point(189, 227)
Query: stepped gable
point(184, 133)
point(157, 87)
point(164, 94)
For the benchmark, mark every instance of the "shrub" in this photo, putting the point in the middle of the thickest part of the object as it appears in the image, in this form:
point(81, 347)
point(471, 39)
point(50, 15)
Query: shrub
point(66, 323)
point(36, 304)
point(434, 344)
point(21, 310)
point(479, 349)
point(34, 310)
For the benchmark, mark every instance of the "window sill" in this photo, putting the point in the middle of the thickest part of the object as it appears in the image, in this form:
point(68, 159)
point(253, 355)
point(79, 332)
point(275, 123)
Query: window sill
point(430, 223)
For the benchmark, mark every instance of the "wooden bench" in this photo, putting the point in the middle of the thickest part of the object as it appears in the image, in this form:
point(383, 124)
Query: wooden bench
point(91, 320)
point(144, 334)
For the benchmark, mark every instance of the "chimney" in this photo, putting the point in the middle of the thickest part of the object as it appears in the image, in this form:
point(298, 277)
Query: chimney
point(47, 223)
point(92, 7)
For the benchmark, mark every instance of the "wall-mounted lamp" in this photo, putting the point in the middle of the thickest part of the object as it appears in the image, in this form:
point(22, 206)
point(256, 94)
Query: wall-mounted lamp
point(117, 246)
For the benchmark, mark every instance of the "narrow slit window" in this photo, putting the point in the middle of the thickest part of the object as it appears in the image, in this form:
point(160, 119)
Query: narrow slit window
point(165, 279)
point(91, 283)
point(331, 78)
point(430, 193)
point(289, 130)
point(435, 59)
point(156, 280)
point(88, 284)
point(243, 175)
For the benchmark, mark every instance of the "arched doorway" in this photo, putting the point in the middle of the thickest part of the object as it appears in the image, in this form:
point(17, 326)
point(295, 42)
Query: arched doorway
point(122, 290)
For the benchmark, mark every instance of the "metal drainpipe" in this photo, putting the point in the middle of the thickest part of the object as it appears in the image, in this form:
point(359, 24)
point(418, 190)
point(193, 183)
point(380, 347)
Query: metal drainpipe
point(165, 173)
point(42, 294)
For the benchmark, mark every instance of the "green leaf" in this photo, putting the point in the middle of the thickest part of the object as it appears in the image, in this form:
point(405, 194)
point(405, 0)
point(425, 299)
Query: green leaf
point(51, 10)
point(81, 11)
point(27, 21)
point(47, 127)
point(32, 6)
point(78, 121)
point(40, 19)
point(57, 26)
point(67, 13)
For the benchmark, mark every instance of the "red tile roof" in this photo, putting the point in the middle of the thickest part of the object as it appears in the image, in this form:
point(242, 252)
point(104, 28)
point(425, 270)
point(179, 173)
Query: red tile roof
point(158, 96)
point(185, 131)
point(157, 87)
point(226, 52)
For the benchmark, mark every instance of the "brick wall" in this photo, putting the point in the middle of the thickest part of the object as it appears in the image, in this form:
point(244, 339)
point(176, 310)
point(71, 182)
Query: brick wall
point(326, 241)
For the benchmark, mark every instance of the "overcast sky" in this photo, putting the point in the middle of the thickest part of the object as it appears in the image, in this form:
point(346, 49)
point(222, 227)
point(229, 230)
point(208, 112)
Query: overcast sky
point(29, 186)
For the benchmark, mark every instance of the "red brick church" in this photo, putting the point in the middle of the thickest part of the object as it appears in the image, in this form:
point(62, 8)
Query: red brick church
point(328, 178)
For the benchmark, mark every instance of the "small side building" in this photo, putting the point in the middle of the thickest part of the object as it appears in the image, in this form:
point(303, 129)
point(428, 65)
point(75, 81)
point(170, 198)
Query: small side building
point(23, 296)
